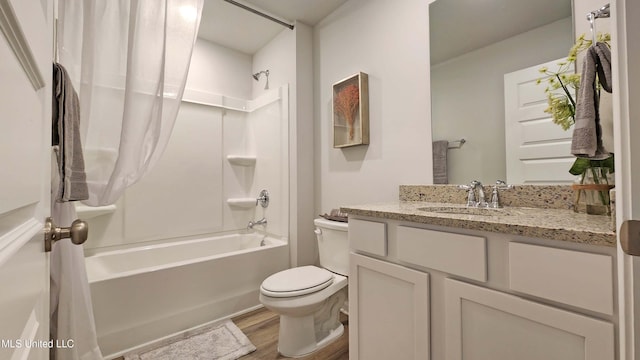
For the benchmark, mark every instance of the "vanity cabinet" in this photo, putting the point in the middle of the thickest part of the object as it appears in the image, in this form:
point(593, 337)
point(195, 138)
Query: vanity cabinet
point(434, 292)
point(388, 311)
point(484, 324)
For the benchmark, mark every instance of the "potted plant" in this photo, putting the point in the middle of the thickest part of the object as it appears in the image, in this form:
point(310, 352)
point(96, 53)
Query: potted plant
point(593, 175)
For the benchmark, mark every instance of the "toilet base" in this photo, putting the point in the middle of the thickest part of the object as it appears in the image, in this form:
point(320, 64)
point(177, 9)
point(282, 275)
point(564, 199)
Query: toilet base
point(302, 335)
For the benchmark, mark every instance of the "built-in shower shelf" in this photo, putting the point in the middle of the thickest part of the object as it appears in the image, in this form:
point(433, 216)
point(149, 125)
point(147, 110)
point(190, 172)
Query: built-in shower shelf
point(243, 160)
point(88, 212)
point(242, 203)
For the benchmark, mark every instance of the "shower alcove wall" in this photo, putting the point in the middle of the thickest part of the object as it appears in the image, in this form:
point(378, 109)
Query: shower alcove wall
point(221, 149)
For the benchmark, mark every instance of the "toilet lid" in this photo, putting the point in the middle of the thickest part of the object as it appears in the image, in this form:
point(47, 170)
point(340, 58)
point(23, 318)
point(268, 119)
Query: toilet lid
point(296, 281)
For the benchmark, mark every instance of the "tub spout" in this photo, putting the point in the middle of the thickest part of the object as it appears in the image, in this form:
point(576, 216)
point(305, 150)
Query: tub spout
point(251, 224)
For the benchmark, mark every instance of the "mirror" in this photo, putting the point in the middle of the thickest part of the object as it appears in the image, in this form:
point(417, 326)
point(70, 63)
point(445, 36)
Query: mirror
point(473, 44)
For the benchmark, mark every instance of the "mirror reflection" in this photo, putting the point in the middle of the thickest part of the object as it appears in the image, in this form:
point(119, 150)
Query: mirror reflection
point(473, 45)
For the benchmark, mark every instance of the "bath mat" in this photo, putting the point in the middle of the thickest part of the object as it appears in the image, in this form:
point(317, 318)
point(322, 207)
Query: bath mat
point(222, 342)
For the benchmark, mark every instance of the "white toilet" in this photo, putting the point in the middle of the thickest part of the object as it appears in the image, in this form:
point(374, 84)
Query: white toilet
point(308, 298)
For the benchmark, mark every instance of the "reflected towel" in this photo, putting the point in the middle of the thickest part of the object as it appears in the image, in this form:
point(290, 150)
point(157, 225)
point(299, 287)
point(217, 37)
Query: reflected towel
point(587, 131)
point(440, 162)
point(65, 134)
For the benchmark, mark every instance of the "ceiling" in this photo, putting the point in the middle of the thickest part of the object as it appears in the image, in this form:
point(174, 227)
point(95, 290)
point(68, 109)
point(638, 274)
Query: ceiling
point(228, 25)
point(456, 26)
point(459, 26)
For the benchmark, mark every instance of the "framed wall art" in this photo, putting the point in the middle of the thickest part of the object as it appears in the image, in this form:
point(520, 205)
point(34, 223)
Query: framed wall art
point(351, 111)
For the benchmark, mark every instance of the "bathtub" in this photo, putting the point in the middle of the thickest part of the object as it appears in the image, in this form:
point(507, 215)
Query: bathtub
point(146, 293)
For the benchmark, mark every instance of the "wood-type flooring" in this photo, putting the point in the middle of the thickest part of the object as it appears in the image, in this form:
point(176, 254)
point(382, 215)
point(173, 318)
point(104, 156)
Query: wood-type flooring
point(261, 327)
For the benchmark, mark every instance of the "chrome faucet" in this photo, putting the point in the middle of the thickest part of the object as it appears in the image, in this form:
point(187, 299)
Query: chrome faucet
point(262, 221)
point(471, 196)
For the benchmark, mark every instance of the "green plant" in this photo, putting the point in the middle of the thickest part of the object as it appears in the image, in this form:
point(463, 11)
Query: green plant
point(562, 83)
point(581, 164)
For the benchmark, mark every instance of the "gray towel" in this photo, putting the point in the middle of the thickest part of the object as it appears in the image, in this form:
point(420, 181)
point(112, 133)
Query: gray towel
point(440, 162)
point(587, 132)
point(65, 133)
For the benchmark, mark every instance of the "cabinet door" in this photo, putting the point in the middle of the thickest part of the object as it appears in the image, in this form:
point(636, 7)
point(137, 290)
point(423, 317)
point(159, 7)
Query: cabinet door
point(483, 324)
point(388, 311)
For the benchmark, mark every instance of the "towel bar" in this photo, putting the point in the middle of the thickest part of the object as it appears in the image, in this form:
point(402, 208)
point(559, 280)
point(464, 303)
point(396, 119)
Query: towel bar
point(460, 142)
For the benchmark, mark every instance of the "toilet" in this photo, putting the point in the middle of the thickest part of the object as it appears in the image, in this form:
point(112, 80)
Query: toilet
point(309, 298)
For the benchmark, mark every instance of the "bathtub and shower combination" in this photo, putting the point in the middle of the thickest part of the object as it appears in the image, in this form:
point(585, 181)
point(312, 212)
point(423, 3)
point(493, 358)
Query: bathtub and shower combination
point(147, 286)
point(145, 293)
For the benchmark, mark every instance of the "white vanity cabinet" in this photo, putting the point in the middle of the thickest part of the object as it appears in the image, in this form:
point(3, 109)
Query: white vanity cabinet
point(388, 311)
point(484, 324)
point(433, 292)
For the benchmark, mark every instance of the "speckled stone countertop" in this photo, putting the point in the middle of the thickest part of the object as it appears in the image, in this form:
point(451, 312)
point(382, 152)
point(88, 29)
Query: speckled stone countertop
point(441, 205)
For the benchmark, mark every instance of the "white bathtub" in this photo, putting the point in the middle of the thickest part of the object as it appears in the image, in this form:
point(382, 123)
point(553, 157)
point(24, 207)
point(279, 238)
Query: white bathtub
point(143, 294)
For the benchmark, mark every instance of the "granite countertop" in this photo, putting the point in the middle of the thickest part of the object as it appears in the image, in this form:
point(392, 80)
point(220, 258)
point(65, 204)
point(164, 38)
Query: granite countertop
point(555, 224)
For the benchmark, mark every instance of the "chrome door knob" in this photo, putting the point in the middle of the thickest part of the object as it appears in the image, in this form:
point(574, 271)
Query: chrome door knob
point(77, 232)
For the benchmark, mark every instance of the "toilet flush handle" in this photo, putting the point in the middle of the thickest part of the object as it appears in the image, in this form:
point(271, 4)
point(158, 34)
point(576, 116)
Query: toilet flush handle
point(318, 233)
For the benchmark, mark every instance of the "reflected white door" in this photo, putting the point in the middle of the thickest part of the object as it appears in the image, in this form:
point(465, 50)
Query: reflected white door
point(537, 150)
point(25, 158)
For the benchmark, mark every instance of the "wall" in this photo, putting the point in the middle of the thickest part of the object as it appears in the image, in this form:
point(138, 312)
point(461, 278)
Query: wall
point(289, 60)
point(388, 40)
point(219, 70)
point(468, 98)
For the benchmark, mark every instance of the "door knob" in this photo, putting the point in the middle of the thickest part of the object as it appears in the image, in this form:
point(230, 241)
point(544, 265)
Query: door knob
point(630, 237)
point(77, 232)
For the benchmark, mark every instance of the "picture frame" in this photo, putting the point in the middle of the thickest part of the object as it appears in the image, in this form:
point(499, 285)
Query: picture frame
point(351, 111)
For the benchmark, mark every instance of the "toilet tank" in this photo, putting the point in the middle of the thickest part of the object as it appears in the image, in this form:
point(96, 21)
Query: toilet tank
point(333, 245)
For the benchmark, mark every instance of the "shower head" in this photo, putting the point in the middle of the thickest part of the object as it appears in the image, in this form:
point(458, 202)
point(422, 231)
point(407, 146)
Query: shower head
point(256, 77)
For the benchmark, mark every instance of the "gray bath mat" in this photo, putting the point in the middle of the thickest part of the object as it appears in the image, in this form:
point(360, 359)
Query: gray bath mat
point(222, 342)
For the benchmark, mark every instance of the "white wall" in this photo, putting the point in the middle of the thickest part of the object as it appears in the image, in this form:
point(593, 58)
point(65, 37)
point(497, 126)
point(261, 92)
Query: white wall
point(289, 60)
point(467, 98)
point(219, 70)
point(389, 41)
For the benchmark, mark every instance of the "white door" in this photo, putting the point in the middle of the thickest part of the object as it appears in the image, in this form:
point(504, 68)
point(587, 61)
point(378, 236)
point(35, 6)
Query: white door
point(537, 150)
point(25, 152)
point(625, 38)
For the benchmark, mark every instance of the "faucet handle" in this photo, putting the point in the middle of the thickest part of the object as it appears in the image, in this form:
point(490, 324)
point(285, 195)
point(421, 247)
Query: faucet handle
point(501, 184)
point(471, 195)
point(495, 196)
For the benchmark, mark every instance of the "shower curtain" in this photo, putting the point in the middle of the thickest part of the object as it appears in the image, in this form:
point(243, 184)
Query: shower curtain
point(128, 60)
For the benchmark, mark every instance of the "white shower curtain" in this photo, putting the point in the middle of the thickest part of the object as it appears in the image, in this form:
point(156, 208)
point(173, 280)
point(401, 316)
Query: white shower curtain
point(128, 60)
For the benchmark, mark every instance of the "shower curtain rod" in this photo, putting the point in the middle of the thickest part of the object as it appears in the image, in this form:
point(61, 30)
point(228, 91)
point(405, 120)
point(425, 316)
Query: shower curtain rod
point(243, 6)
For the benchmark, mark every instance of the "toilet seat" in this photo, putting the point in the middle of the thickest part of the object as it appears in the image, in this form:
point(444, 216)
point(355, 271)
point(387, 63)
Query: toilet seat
point(296, 282)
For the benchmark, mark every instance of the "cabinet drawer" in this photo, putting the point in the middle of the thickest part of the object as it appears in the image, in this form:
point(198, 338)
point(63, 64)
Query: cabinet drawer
point(456, 254)
point(368, 236)
point(571, 277)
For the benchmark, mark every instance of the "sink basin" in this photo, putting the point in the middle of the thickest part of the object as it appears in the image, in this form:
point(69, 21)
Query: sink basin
point(467, 210)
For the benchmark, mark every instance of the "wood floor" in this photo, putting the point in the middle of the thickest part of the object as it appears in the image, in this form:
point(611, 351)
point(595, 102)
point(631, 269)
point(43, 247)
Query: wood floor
point(262, 326)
